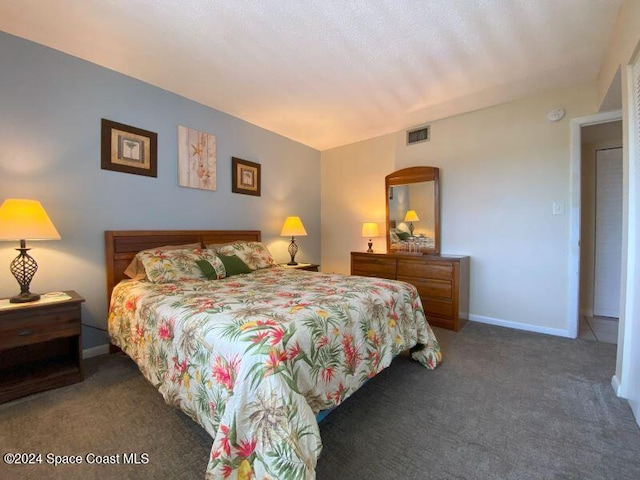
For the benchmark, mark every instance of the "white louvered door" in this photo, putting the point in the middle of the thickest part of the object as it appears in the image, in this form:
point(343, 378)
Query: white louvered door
point(608, 248)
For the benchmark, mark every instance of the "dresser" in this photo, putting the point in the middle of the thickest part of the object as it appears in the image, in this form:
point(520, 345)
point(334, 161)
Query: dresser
point(442, 281)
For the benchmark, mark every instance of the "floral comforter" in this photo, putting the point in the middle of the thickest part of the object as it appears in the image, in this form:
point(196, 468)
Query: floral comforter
point(252, 358)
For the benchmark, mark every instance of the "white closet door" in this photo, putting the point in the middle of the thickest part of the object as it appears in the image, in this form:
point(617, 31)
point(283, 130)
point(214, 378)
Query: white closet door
point(606, 301)
point(629, 371)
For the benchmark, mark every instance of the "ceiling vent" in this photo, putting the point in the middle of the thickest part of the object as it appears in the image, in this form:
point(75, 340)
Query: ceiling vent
point(418, 135)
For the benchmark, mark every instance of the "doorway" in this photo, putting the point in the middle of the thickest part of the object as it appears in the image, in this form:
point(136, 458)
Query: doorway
point(600, 231)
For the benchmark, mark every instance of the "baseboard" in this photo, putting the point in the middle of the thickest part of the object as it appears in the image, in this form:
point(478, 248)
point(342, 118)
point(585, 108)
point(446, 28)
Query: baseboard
point(633, 404)
point(558, 332)
point(635, 408)
point(615, 384)
point(95, 351)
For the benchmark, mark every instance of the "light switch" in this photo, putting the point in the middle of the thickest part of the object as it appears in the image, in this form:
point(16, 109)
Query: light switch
point(558, 208)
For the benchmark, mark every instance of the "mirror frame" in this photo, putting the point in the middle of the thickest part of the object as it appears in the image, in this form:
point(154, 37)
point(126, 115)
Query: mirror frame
point(417, 175)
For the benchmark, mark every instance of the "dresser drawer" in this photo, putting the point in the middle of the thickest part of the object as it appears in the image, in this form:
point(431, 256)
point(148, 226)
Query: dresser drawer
point(34, 327)
point(437, 308)
point(442, 271)
point(431, 288)
point(448, 323)
point(374, 267)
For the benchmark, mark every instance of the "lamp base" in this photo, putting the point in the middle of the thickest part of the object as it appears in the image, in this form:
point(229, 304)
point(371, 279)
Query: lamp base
point(370, 245)
point(293, 249)
point(24, 267)
point(25, 298)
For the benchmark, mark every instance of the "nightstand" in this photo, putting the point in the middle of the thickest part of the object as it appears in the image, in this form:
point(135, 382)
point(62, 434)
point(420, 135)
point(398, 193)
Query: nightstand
point(40, 345)
point(311, 267)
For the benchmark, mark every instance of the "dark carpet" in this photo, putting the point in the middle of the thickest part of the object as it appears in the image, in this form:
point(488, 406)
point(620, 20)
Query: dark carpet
point(505, 404)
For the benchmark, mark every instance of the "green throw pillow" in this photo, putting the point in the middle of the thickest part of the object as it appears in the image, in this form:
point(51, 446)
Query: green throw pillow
point(403, 235)
point(233, 265)
point(209, 271)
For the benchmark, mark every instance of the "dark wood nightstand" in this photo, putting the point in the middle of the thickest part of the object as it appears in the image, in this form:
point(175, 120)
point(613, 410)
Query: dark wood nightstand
point(311, 267)
point(40, 345)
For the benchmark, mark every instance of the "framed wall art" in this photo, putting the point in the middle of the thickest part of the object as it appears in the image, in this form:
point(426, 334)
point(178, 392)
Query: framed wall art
point(245, 177)
point(196, 159)
point(129, 149)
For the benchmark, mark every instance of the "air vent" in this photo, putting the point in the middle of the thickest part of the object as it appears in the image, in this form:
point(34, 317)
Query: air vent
point(418, 135)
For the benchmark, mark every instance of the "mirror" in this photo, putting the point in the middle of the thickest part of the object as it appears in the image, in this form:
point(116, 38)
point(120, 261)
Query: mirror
point(413, 211)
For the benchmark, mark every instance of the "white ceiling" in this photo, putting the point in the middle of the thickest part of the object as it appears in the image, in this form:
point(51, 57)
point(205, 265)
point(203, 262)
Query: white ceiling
point(331, 72)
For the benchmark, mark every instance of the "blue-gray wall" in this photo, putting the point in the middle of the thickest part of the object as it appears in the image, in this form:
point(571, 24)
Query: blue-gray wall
point(50, 110)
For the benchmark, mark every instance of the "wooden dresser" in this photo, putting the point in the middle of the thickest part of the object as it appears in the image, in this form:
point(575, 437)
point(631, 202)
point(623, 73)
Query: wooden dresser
point(442, 281)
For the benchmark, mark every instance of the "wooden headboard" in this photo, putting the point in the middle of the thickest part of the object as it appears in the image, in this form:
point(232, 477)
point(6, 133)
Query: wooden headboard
point(121, 246)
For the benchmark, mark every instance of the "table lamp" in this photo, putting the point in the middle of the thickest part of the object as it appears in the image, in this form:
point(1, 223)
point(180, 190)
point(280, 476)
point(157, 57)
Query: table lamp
point(25, 220)
point(410, 217)
point(293, 227)
point(370, 230)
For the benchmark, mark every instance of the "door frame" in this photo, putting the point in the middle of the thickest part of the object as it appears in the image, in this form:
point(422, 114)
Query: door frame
point(575, 175)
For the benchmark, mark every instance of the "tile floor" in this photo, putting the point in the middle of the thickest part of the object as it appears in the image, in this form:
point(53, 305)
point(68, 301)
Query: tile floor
point(599, 329)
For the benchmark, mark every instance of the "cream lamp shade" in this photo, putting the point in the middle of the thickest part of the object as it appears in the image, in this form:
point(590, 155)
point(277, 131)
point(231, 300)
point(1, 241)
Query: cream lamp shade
point(293, 227)
point(370, 230)
point(411, 216)
point(24, 220)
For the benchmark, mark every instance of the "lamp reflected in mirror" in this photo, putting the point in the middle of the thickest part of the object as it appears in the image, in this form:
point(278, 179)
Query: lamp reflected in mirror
point(370, 230)
point(411, 217)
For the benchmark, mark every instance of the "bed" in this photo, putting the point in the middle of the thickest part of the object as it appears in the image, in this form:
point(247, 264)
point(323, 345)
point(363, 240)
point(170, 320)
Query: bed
point(255, 357)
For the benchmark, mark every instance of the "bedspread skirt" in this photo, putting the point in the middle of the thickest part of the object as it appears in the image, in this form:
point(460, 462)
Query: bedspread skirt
point(253, 358)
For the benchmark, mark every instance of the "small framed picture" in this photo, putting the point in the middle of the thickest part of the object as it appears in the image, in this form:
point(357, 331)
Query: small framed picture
point(129, 149)
point(245, 177)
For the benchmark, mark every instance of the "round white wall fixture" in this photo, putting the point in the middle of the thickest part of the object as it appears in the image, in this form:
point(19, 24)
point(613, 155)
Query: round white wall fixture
point(555, 114)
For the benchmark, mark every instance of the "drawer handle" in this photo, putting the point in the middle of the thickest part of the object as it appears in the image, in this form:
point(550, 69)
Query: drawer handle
point(25, 333)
